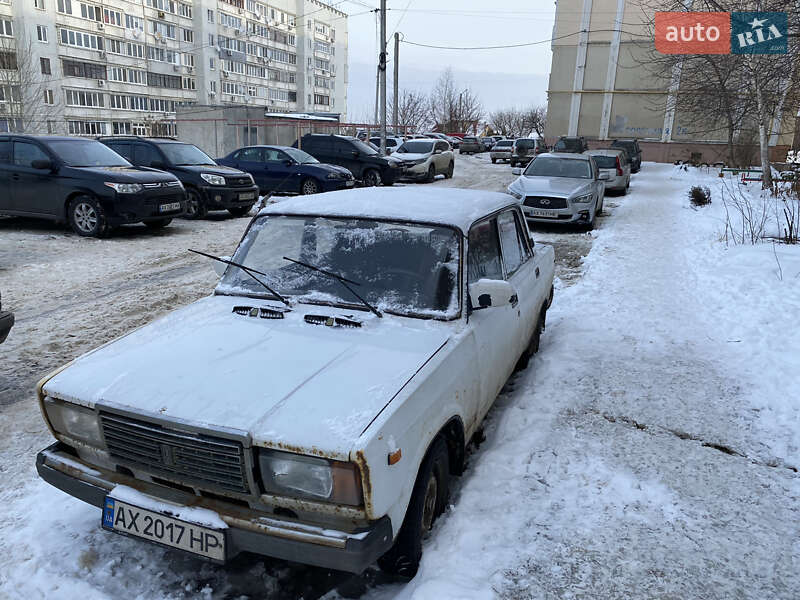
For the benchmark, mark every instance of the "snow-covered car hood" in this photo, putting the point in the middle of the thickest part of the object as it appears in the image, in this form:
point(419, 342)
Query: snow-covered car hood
point(284, 381)
point(412, 155)
point(557, 186)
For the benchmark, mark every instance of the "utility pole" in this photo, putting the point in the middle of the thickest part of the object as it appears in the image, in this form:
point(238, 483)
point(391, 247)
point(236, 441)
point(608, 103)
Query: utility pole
point(396, 81)
point(382, 75)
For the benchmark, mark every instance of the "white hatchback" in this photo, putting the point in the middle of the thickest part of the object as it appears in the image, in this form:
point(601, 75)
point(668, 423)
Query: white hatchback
point(425, 159)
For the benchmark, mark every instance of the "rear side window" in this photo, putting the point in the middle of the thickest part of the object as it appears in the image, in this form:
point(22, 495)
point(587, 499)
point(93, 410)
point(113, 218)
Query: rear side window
point(483, 259)
point(514, 251)
point(251, 154)
point(146, 155)
point(341, 146)
point(5, 152)
point(318, 144)
point(26, 152)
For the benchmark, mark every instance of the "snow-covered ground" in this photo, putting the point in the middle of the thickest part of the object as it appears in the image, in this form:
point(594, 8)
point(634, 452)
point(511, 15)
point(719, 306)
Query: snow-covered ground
point(650, 449)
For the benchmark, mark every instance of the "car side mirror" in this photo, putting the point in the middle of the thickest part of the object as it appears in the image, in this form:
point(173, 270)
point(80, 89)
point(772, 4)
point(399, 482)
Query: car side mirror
point(288, 162)
point(516, 171)
point(437, 151)
point(533, 243)
point(158, 164)
point(219, 267)
point(603, 176)
point(487, 293)
point(43, 164)
point(355, 153)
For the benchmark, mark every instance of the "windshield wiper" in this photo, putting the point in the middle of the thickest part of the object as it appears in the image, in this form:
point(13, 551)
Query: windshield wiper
point(248, 271)
point(341, 280)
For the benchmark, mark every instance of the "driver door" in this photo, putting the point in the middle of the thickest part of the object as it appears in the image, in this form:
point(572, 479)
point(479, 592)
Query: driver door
point(282, 172)
point(251, 160)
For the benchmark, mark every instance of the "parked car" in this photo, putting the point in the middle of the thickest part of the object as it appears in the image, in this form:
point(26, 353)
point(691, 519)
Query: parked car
point(524, 149)
point(501, 150)
point(560, 188)
point(614, 162)
point(83, 183)
point(633, 150)
point(471, 145)
point(336, 461)
point(497, 138)
point(6, 322)
point(285, 169)
point(392, 143)
point(454, 141)
point(488, 142)
point(570, 144)
point(208, 185)
point(364, 162)
point(425, 159)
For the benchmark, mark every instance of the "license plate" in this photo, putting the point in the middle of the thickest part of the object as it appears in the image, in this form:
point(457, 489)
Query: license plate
point(247, 196)
point(541, 212)
point(350, 183)
point(169, 207)
point(125, 518)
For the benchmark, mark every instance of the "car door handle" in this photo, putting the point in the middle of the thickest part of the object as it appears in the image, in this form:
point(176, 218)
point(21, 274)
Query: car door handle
point(514, 300)
point(15, 177)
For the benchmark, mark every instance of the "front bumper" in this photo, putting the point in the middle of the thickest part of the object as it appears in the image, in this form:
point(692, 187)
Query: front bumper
point(223, 197)
point(144, 206)
point(575, 214)
point(419, 171)
point(248, 530)
point(6, 323)
point(500, 155)
point(332, 185)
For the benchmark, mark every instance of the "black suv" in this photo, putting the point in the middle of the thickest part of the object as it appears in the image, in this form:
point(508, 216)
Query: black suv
point(82, 182)
point(209, 186)
point(633, 150)
point(364, 162)
point(570, 144)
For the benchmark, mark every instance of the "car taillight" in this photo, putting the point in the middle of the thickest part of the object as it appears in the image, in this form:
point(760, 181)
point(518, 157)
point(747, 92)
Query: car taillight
point(619, 168)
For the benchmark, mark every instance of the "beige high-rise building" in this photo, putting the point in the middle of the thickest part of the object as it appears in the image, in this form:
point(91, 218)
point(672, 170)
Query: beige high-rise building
point(600, 89)
point(122, 67)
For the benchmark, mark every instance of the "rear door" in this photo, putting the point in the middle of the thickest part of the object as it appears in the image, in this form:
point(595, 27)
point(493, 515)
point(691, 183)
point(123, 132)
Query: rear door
point(32, 189)
point(6, 166)
point(347, 156)
point(442, 160)
point(251, 160)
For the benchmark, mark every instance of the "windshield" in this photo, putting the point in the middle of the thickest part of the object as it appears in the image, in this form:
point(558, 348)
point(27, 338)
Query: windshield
point(605, 162)
point(365, 148)
point(304, 158)
point(186, 154)
point(87, 153)
point(416, 147)
point(402, 268)
point(549, 166)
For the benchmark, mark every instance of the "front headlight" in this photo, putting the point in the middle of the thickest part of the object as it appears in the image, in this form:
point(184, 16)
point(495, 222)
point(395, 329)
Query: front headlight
point(214, 179)
point(124, 188)
point(515, 193)
point(287, 474)
point(335, 175)
point(583, 199)
point(418, 161)
point(74, 421)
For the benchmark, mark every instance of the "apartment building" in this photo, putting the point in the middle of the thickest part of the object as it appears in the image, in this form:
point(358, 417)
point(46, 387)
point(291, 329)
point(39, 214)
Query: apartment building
point(599, 87)
point(122, 67)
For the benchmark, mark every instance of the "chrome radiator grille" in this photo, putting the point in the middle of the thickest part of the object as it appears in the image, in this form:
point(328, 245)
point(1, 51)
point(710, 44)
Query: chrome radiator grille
point(544, 202)
point(193, 458)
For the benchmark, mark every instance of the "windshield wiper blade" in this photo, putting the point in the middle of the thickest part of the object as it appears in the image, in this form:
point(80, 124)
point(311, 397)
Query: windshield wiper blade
point(341, 280)
point(248, 271)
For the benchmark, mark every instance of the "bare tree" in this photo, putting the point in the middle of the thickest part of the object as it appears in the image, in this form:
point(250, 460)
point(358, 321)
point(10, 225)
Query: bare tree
point(513, 122)
point(28, 102)
point(534, 120)
point(412, 110)
point(452, 108)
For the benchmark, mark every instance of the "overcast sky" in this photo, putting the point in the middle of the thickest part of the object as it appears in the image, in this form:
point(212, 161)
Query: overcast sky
point(501, 78)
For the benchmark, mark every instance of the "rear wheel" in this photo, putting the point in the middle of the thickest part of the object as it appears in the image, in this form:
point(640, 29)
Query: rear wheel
point(372, 178)
point(240, 211)
point(533, 344)
point(449, 173)
point(309, 186)
point(195, 208)
point(431, 174)
point(494, 161)
point(158, 224)
point(428, 500)
point(86, 217)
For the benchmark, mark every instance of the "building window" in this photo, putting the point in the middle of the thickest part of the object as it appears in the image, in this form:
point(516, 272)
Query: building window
point(185, 10)
point(41, 33)
point(38, 4)
point(112, 17)
point(210, 16)
point(132, 22)
point(73, 68)
point(87, 127)
point(211, 63)
point(323, 100)
point(165, 29)
point(70, 37)
point(64, 6)
point(120, 128)
point(188, 35)
point(8, 60)
point(48, 97)
point(213, 87)
point(90, 12)
point(6, 28)
point(210, 39)
point(45, 65)
point(82, 98)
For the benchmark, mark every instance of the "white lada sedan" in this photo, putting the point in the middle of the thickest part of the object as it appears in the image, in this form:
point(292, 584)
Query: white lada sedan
point(315, 406)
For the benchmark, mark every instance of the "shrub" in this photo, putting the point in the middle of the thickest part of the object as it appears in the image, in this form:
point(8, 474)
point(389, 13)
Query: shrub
point(700, 196)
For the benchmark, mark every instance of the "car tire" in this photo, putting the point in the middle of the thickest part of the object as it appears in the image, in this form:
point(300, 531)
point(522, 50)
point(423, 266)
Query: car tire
point(195, 207)
point(590, 225)
point(158, 224)
point(86, 217)
point(428, 500)
point(601, 206)
point(533, 343)
point(371, 178)
point(431, 174)
point(624, 191)
point(494, 161)
point(240, 211)
point(450, 169)
point(309, 186)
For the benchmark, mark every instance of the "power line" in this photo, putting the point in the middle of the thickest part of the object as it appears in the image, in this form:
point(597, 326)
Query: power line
point(520, 45)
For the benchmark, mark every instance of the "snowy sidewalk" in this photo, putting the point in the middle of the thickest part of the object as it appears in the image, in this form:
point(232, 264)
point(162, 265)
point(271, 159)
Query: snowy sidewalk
point(631, 459)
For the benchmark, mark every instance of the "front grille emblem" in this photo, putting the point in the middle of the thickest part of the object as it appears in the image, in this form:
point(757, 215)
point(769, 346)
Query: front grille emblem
point(545, 201)
point(167, 455)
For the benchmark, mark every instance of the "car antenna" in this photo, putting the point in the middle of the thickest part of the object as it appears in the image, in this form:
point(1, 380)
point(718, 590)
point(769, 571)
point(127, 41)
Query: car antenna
point(246, 270)
point(341, 280)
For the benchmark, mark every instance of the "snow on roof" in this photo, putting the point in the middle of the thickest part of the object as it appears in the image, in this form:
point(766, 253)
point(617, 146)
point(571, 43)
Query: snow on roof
point(300, 116)
point(454, 207)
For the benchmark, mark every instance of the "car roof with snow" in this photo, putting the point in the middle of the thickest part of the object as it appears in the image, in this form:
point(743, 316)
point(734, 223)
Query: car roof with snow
point(567, 155)
point(453, 207)
point(605, 152)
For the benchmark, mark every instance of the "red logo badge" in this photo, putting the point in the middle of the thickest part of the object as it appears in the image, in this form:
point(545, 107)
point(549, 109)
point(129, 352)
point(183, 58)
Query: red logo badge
point(693, 32)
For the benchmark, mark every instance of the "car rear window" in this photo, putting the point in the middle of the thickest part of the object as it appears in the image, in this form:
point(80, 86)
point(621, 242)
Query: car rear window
point(470, 139)
point(525, 144)
point(504, 143)
point(605, 162)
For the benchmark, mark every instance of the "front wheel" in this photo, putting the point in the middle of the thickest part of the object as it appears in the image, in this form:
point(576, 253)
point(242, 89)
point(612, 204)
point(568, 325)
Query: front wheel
point(309, 186)
point(431, 174)
point(450, 169)
point(86, 217)
point(428, 500)
point(240, 211)
point(195, 207)
point(494, 161)
point(371, 178)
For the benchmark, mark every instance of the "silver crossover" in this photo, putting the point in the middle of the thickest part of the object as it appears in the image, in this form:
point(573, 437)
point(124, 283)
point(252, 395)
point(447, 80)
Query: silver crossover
point(613, 161)
point(560, 188)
